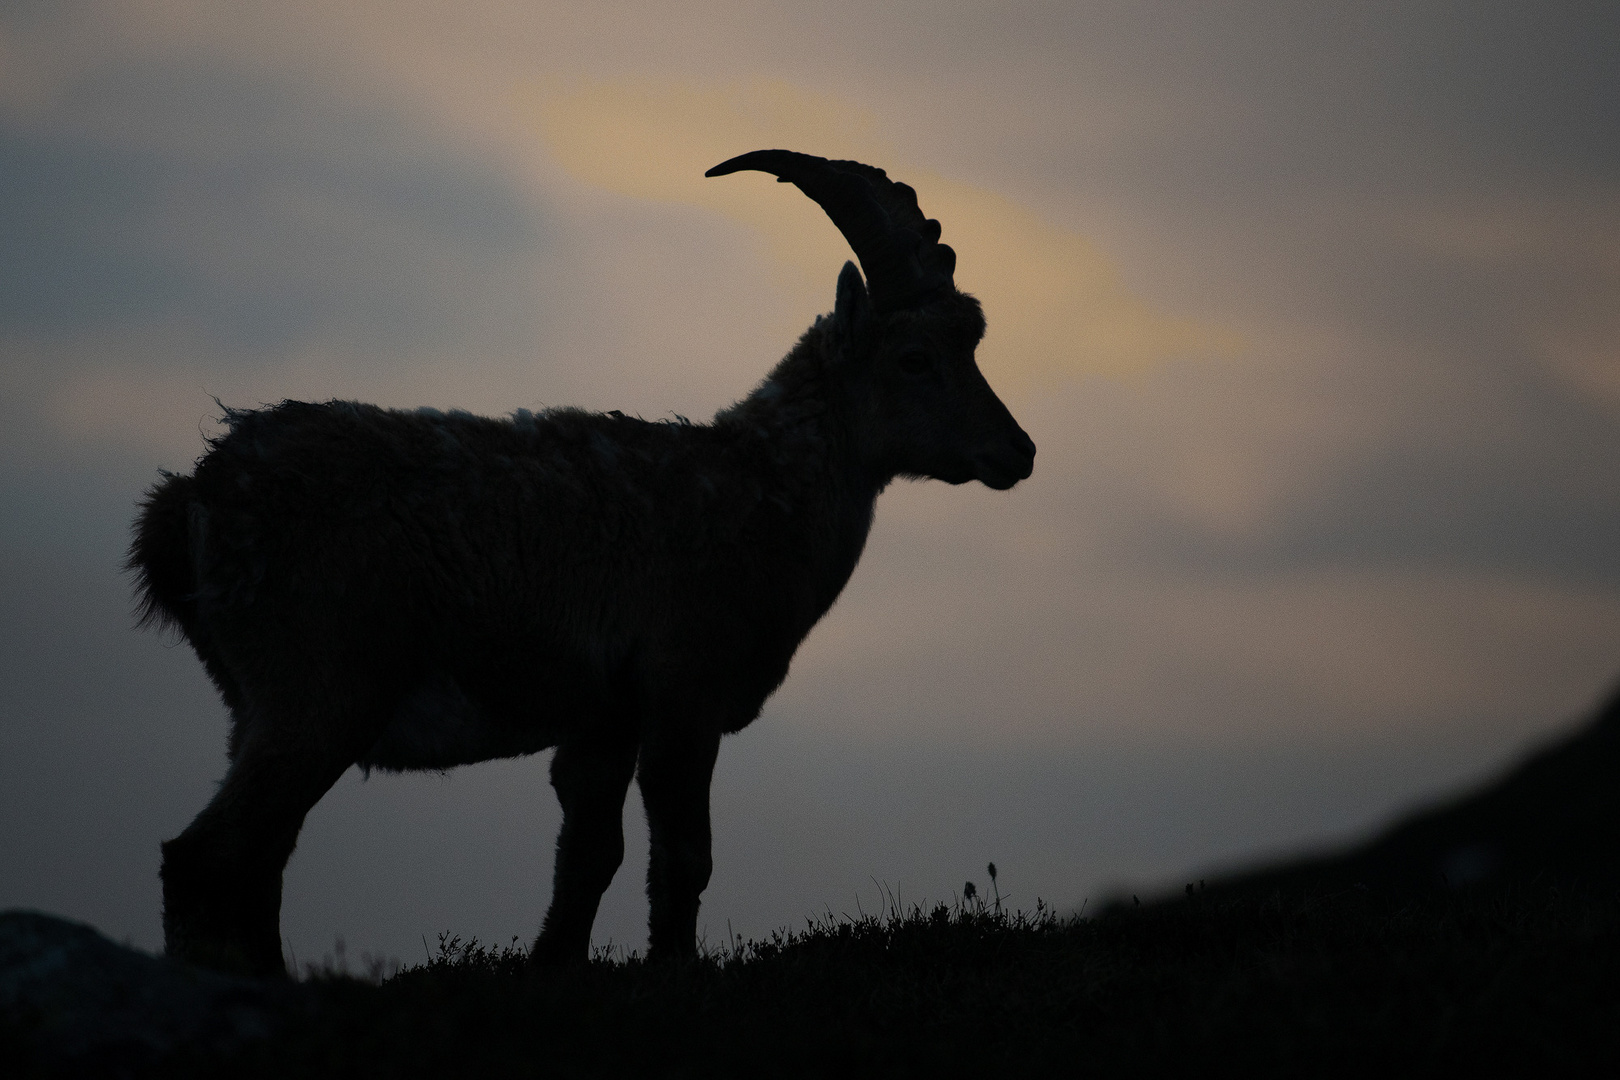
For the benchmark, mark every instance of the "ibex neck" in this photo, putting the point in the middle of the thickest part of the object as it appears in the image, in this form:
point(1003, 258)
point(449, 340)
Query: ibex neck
point(807, 438)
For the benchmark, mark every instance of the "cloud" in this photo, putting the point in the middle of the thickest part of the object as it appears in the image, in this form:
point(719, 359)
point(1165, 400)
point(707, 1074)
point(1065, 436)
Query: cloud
point(256, 214)
point(180, 230)
point(1056, 304)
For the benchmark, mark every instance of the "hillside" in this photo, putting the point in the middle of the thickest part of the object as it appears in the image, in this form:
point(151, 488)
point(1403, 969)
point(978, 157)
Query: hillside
point(1480, 934)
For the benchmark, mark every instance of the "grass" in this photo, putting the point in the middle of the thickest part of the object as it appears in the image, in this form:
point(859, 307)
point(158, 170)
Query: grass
point(1286, 983)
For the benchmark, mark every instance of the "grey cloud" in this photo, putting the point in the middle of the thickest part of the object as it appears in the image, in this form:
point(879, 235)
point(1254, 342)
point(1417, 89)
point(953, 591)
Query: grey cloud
point(1500, 468)
point(1429, 507)
point(1442, 232)
point(1355, 97)
point(262, 214)
point(1436, 512)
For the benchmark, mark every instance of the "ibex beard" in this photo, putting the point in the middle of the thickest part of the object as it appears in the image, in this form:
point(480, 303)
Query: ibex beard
point(418, 590)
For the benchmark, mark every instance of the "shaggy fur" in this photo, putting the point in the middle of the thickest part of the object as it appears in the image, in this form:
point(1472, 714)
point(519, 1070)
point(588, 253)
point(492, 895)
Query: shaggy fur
point(418, 590)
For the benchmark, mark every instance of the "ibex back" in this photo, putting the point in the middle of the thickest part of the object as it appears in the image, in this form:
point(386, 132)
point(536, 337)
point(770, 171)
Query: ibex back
point(417, 590)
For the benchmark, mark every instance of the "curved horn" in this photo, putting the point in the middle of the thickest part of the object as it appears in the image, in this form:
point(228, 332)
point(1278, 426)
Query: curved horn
point(898, 246)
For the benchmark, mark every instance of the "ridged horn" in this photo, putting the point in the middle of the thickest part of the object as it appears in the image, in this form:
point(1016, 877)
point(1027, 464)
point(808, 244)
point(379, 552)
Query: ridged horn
point(897, 245)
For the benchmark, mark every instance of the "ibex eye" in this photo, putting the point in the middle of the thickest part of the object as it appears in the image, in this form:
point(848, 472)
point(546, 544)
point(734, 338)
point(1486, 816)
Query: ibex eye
point(915, 361)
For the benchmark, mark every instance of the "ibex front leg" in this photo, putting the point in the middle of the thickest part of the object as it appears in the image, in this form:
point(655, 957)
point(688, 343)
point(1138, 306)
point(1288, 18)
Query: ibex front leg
point(591, 776)
point(674, 778)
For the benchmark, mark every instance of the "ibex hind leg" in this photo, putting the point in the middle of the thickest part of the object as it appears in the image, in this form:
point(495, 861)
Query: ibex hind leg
point(222, 875)
point(591, 775)
point(675, 774)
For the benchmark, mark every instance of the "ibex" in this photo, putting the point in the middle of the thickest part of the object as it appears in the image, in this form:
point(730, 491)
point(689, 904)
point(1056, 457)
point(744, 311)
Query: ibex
point(418, 590)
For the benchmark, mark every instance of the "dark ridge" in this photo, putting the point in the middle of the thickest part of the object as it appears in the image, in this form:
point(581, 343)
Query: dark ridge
point(1553, 819)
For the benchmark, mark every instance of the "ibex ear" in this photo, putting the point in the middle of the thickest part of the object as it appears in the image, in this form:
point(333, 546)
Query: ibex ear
point(852, 314)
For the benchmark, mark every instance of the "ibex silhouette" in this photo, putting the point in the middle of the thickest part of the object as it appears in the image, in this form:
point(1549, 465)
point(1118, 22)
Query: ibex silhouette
point(417, 590)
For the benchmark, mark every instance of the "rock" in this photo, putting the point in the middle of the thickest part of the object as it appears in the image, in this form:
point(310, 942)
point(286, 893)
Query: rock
point(71, 1001)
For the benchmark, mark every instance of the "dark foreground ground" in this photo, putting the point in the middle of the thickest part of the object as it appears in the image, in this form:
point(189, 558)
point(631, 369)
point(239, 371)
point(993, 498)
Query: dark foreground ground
point(1291, 985)
point(1444, 984)
point(1480, 936)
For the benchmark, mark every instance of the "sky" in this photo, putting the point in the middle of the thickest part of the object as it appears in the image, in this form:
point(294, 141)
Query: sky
point(1313, 312)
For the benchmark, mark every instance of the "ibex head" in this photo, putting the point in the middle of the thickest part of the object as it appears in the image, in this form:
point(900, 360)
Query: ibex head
point(906, 333)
